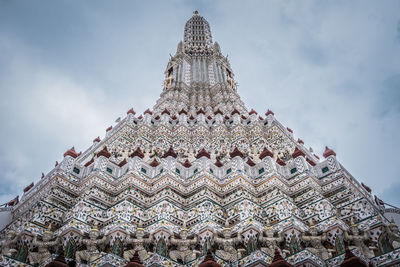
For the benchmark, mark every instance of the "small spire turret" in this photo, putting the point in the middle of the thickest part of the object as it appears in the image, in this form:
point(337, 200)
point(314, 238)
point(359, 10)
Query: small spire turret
point(197, 35)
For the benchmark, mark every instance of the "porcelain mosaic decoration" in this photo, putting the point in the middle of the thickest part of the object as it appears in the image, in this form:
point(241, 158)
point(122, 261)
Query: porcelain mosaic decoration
point(197, 172)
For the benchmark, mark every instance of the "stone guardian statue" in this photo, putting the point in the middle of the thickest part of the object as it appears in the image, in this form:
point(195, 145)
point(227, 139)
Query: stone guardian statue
point(316, 247)
point(183, 251)
point(138, 244)
point(8, 244)
point(393, 234)
point(358, 240)
point(271, 241)
point(228, 253)
point(91, 253)
point(43, 246)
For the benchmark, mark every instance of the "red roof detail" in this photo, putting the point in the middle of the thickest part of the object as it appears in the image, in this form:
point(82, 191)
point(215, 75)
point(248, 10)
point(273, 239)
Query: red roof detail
point(218, 163)
point(202, 153)
point(209, 117)
point(13, 202)
point(316, 156)
point(157, 118)
point(236, 153)
point(201, 111)
point(218, 112)
point(191, 117)
point(187, 164)
point(122, 163)
point(269, 112)
point(235, 111)
point(226, 117)
point(243, 117)
point(209, 261)
point(89, 162)
point(252, 111)
point(131, 111)
point(328, 152)
point(56, 164)
point(266, 153)
point(109, 129)
point(135, 261)
point(71, 152)
point(104, 152)
point(289, 130)
point(170, 153)
point(182, 112)
point(260, 118)
point(350, 260)
point(97, 139)
point(165, 112)
point(278, 261)
point(379, 201)
point(300, 141)
point(250, 162)
point(312, 163)
point(147, 111)
point(137, 153)
point(42, 176)
point(173, 117)
point(154, 163)
point(26, 189)
point(366, 187)
point(140, 117)
point(297, 153)
point(280, 162)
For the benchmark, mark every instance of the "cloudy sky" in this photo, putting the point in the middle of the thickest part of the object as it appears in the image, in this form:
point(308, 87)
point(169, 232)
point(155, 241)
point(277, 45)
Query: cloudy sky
point(330, 70)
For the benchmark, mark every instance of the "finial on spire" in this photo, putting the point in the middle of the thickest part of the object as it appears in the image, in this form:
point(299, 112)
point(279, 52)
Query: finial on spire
point(196, 12)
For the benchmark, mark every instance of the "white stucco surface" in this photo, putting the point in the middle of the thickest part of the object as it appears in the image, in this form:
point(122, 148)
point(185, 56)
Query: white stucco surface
point(5, 218)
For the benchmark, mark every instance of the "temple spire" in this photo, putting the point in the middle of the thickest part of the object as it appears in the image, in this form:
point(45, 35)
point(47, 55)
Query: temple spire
point(198, 76)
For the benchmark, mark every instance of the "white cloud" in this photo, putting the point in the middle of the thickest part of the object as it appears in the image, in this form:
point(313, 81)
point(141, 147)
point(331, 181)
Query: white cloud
point(44, 113)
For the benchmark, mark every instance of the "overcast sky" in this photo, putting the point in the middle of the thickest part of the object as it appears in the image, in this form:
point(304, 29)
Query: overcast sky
point(330, 70)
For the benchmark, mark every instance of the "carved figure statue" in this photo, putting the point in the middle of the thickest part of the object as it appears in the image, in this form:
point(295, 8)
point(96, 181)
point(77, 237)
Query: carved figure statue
point(228, 253)
point(271, 241)
point(359, 240)
point(7, 247)
point(43, 253)
point(138, 245)
point(91, 253)
point(316, 247)
point(183, 251)
point(393, 234)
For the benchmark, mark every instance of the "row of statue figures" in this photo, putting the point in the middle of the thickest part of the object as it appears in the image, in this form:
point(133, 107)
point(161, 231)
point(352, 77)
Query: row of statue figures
point(184, 247)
